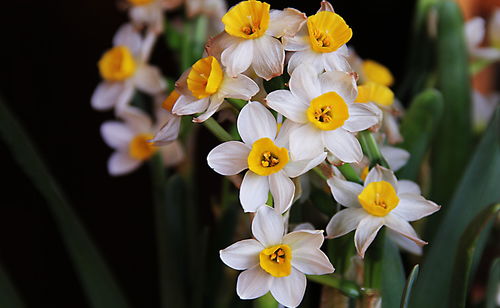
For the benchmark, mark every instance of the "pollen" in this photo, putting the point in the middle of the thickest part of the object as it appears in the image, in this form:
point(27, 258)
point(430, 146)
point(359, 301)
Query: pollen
point(276, 260)
point(376, 72)
point(327, 31)
point(141, 148)
point(205, 77)
point(248, 19)
point(328, 111)
point(266, 158)
point(378, 198)
point(376, 93)
point(117, 64)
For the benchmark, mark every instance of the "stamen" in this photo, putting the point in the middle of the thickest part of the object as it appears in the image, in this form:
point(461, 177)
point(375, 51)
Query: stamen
point(278, 256)
point(323, 114)
point(269, 160)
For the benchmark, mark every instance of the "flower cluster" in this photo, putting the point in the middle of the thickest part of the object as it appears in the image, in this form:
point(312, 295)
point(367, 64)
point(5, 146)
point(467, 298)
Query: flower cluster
point(326, 99)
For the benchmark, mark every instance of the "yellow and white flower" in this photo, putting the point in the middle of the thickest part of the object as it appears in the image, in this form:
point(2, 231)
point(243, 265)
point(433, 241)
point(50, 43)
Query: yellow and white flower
point(263, 151)
point(169, 131)
point(276, 262)
point(382, 201)
point(150, 12)
point(205, 86)
point(124, 69)
point(320, 42)
point(324, 114)
point(131, 141)
point(251, 38)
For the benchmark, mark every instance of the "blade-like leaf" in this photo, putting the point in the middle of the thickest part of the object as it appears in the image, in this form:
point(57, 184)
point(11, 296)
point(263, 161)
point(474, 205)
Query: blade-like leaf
point(493, 285)
point(98, 282)
point(9, 297)
point(405, 300)
point(418, 128)
point(468, 248)
point(477, 190)
point(347, 287)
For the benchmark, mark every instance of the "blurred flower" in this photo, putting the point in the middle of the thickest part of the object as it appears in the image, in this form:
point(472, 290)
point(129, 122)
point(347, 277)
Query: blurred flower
point(169, 131)
point(475, 30)
point(323, 113)
point(204, 87)
point(124, 69)
point(276, 263)
point(382, 201)
point(264, 153)
point(213, 9)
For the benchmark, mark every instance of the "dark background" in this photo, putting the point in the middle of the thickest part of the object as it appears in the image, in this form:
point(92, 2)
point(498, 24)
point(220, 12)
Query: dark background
point(48, 72)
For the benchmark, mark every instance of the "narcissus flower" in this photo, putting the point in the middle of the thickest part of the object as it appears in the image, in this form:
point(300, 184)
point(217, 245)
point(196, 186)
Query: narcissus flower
point(205, 86)
point(169, 131)
point(382, 201)
point(251, 38)
point(320, 42)
point(131, 141)
point(324, 115)
point(150, 12)
point(263, 151)
point(276, 263)
point(124, 69)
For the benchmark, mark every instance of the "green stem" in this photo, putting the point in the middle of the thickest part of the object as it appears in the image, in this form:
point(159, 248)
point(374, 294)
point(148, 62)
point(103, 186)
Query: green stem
point(349, 288)
point(370, 148)
point(318, 171)
point(373, 262)
point(186, 47)
point(217, 130)
point(200, 36)
point(349, 173)
point(237, 103)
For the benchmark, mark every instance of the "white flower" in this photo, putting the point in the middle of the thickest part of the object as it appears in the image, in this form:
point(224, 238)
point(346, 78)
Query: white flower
point(169, 131)
point(474, 35)
point(213, 9)
point(276, 263)
point(320, 42)
point(251, 38)
point(205, 86)
point(383, 200)
point(323, 113)
point(150, 12)
point(264, 154)
point(131, 141)
point(124, 69)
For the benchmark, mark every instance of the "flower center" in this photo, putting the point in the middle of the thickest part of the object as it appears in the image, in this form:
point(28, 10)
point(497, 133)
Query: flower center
point(276, 260)
point(117, 64)
point(327, 31)
point(140, 2)
point(141, 148)
point(376, 93)
point(378, 198)
point(376, 72)
point(328, 111)
point(266, 158)
point(205, 77)
point(248, 19)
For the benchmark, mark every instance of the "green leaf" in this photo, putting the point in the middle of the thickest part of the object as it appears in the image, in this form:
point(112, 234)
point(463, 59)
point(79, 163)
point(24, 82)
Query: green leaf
point(9, 297)
point(266, 301)
point(468, 248)
point(98, 282)
point(393, 278)
point(349, 288)
point(405, 300)
point(477, 190)
point(453, 137)
point(417, 128)
point(370, 149)
point(493, 285)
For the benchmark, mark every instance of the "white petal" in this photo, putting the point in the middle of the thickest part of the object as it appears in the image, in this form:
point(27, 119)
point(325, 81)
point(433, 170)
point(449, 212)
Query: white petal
point(404, 243)
point(253, 283)
point(474, 32)
point(283, 138)
point(395, 157)
point(240, 87)
point(121, 163)
point(345, 192)
point(116, 134)
point(254, 191)
point(343, 145)
point(305, 226)
point(344, 84)
point(284, 102)
point(379, 173)
point(268, 226)
point(365, 233)
point(298, 42)
point(107, 94)
point(172, 153)
point(238, 56)
point(306, 56)
point(169, 132)
point(256, 122)
point(268, 57)
point(186, 105)
point(289, 290)
point(391, 127)
point(148, 79)
point(361, 117)
point(285, 22)
point(242, 255)
point(138, 120)
point(295, 168)
point(402, 227)
point(413, 207)
point(336, 61)
point(304, 83)
point(282, 189)
point(344, 222)
point(307, 239)
point(408, 187)
point(214, 105)
point(128, 36)
point(311, 261)
point(229, 158)
point(305, 142)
